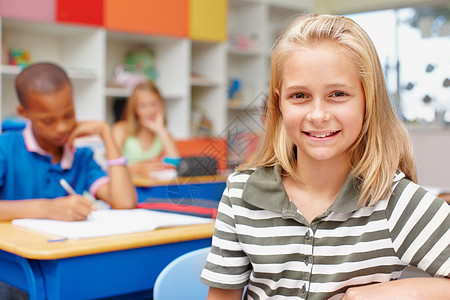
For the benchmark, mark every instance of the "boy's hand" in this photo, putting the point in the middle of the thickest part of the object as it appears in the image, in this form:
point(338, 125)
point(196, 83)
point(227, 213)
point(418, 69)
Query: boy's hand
point(70, 208)
point(86, 128)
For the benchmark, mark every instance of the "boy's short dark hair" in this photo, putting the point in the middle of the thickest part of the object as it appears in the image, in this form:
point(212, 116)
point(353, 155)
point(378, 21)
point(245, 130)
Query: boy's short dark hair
point(43, 78)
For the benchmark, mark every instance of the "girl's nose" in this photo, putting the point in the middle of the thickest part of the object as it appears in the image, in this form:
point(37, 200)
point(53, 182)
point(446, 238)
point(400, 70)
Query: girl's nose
point(318, 111)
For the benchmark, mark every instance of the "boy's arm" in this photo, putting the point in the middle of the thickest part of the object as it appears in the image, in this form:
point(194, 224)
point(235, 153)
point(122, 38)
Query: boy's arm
point(144, 168)
point(119, 131)
point(408, 288)
point(120, 191)
point(69, 208)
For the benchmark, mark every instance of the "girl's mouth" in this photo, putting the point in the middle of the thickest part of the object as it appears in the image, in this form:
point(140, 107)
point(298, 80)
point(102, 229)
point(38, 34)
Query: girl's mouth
point(322, 135)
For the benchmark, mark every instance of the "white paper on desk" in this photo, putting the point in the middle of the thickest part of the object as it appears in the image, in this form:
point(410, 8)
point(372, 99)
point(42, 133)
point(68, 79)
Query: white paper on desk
point(111, 222)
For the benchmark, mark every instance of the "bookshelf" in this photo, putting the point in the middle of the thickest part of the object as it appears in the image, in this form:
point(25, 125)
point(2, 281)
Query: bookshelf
point(193, 72)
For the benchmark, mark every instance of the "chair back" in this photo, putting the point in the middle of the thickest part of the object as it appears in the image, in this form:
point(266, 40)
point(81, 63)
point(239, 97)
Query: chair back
point(180, 279)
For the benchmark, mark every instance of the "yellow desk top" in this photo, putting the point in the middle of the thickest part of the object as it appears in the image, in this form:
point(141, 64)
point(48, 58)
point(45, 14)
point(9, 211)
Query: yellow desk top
point(35, 245)
point(445, 196)
point(148, 182)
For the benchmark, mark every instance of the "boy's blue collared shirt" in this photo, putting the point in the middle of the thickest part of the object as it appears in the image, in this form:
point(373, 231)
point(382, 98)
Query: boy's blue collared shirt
point(27, 171)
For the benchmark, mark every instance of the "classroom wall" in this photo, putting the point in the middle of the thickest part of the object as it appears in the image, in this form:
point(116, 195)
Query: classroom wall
point(353, 6)
point(431, 145)
point(432, 154)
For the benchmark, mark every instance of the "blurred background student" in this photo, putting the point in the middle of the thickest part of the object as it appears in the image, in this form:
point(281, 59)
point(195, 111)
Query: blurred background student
point(142, 134)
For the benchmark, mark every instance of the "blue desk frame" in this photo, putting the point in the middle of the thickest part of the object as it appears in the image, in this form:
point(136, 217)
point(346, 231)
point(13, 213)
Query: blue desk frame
point(109, 274)
point(195, 190)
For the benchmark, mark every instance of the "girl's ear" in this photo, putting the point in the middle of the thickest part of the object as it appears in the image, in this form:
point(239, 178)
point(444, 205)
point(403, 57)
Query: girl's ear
point(277, 92)
point(22, 111)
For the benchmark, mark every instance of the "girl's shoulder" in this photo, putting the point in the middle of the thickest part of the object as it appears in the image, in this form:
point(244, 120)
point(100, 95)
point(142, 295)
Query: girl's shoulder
point(119, 130)
point(258, 174)
point(240, 176)
point(120, 125)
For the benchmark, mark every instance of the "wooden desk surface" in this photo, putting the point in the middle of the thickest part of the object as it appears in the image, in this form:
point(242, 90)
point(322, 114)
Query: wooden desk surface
point(445, 196)
point(35, 245)
point(148, 182)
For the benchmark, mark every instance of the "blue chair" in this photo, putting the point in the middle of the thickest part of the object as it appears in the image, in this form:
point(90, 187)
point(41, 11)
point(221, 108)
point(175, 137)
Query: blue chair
point(180, 279)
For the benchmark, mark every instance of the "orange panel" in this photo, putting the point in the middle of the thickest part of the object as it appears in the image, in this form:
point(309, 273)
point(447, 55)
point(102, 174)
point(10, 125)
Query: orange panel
point(168, 17)
point(214, 147)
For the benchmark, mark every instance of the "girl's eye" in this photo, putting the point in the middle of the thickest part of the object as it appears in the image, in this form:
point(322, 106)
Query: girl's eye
point(339, 94)
point(299, 96)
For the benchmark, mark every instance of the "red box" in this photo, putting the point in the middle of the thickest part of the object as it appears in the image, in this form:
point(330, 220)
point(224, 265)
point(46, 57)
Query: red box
point(88, 12)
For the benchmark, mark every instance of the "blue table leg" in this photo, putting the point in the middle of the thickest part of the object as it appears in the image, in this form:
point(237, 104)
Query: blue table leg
point(22, 273)
point(112, 273)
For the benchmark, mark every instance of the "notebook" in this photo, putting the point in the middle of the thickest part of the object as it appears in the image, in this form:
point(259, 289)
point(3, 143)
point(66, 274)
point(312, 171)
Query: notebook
point(111, 222)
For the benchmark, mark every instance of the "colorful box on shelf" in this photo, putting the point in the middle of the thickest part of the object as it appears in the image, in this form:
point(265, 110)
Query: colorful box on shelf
point(42, 10)
point(201, 20)
point(88, 12)
point(155, 17)
point(208, 20)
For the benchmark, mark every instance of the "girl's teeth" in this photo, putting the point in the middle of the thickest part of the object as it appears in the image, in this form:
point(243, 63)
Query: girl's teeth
point(321, 135)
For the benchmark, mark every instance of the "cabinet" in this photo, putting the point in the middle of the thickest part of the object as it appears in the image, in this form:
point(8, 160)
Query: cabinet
point(172, 64)
point(194, 65)
point(253, 27)
point(79, 49)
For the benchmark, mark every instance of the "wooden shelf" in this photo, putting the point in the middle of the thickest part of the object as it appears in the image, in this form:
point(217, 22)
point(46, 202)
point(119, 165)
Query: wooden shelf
point(234, 50)
point(203, 81)
point(123, 92)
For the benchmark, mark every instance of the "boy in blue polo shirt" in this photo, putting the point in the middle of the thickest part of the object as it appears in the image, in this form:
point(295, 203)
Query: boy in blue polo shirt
point(33, 162)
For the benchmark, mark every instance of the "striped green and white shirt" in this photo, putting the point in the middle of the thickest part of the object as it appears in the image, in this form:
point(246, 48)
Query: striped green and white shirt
point(262, 240)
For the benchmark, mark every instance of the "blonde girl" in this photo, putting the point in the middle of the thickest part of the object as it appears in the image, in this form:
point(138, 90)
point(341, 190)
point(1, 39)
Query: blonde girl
point(143, 135)
point(329, 208)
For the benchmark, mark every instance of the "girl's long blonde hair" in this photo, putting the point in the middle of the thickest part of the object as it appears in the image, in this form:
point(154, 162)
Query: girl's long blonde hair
point(130, 115)
point(383, 145)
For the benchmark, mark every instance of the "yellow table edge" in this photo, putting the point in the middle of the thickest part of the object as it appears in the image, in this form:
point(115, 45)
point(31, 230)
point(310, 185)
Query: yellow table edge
point(35, 245)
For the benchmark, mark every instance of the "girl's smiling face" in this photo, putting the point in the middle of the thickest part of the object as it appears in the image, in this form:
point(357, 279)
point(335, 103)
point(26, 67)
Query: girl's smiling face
point(148, 106)
point(322, 102)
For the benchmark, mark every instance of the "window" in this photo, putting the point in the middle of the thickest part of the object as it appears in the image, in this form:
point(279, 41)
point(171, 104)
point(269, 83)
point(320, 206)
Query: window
point(414, 48)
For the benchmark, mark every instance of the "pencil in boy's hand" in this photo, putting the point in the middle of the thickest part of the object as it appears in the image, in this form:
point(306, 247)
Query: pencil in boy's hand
point(67, 187)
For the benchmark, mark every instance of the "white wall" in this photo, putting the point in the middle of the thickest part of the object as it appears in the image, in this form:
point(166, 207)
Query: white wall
point(354, 6)
point(432, 153)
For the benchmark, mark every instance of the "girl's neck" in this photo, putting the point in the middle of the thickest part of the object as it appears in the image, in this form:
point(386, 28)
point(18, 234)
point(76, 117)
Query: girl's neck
point(146, 138)
point(325, 176)
point(143, 131)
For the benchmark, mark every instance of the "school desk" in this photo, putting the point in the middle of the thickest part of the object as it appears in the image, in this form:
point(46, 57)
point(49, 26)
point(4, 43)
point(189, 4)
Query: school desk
point(445, 196)
point(195, 187)
point(92, 268)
